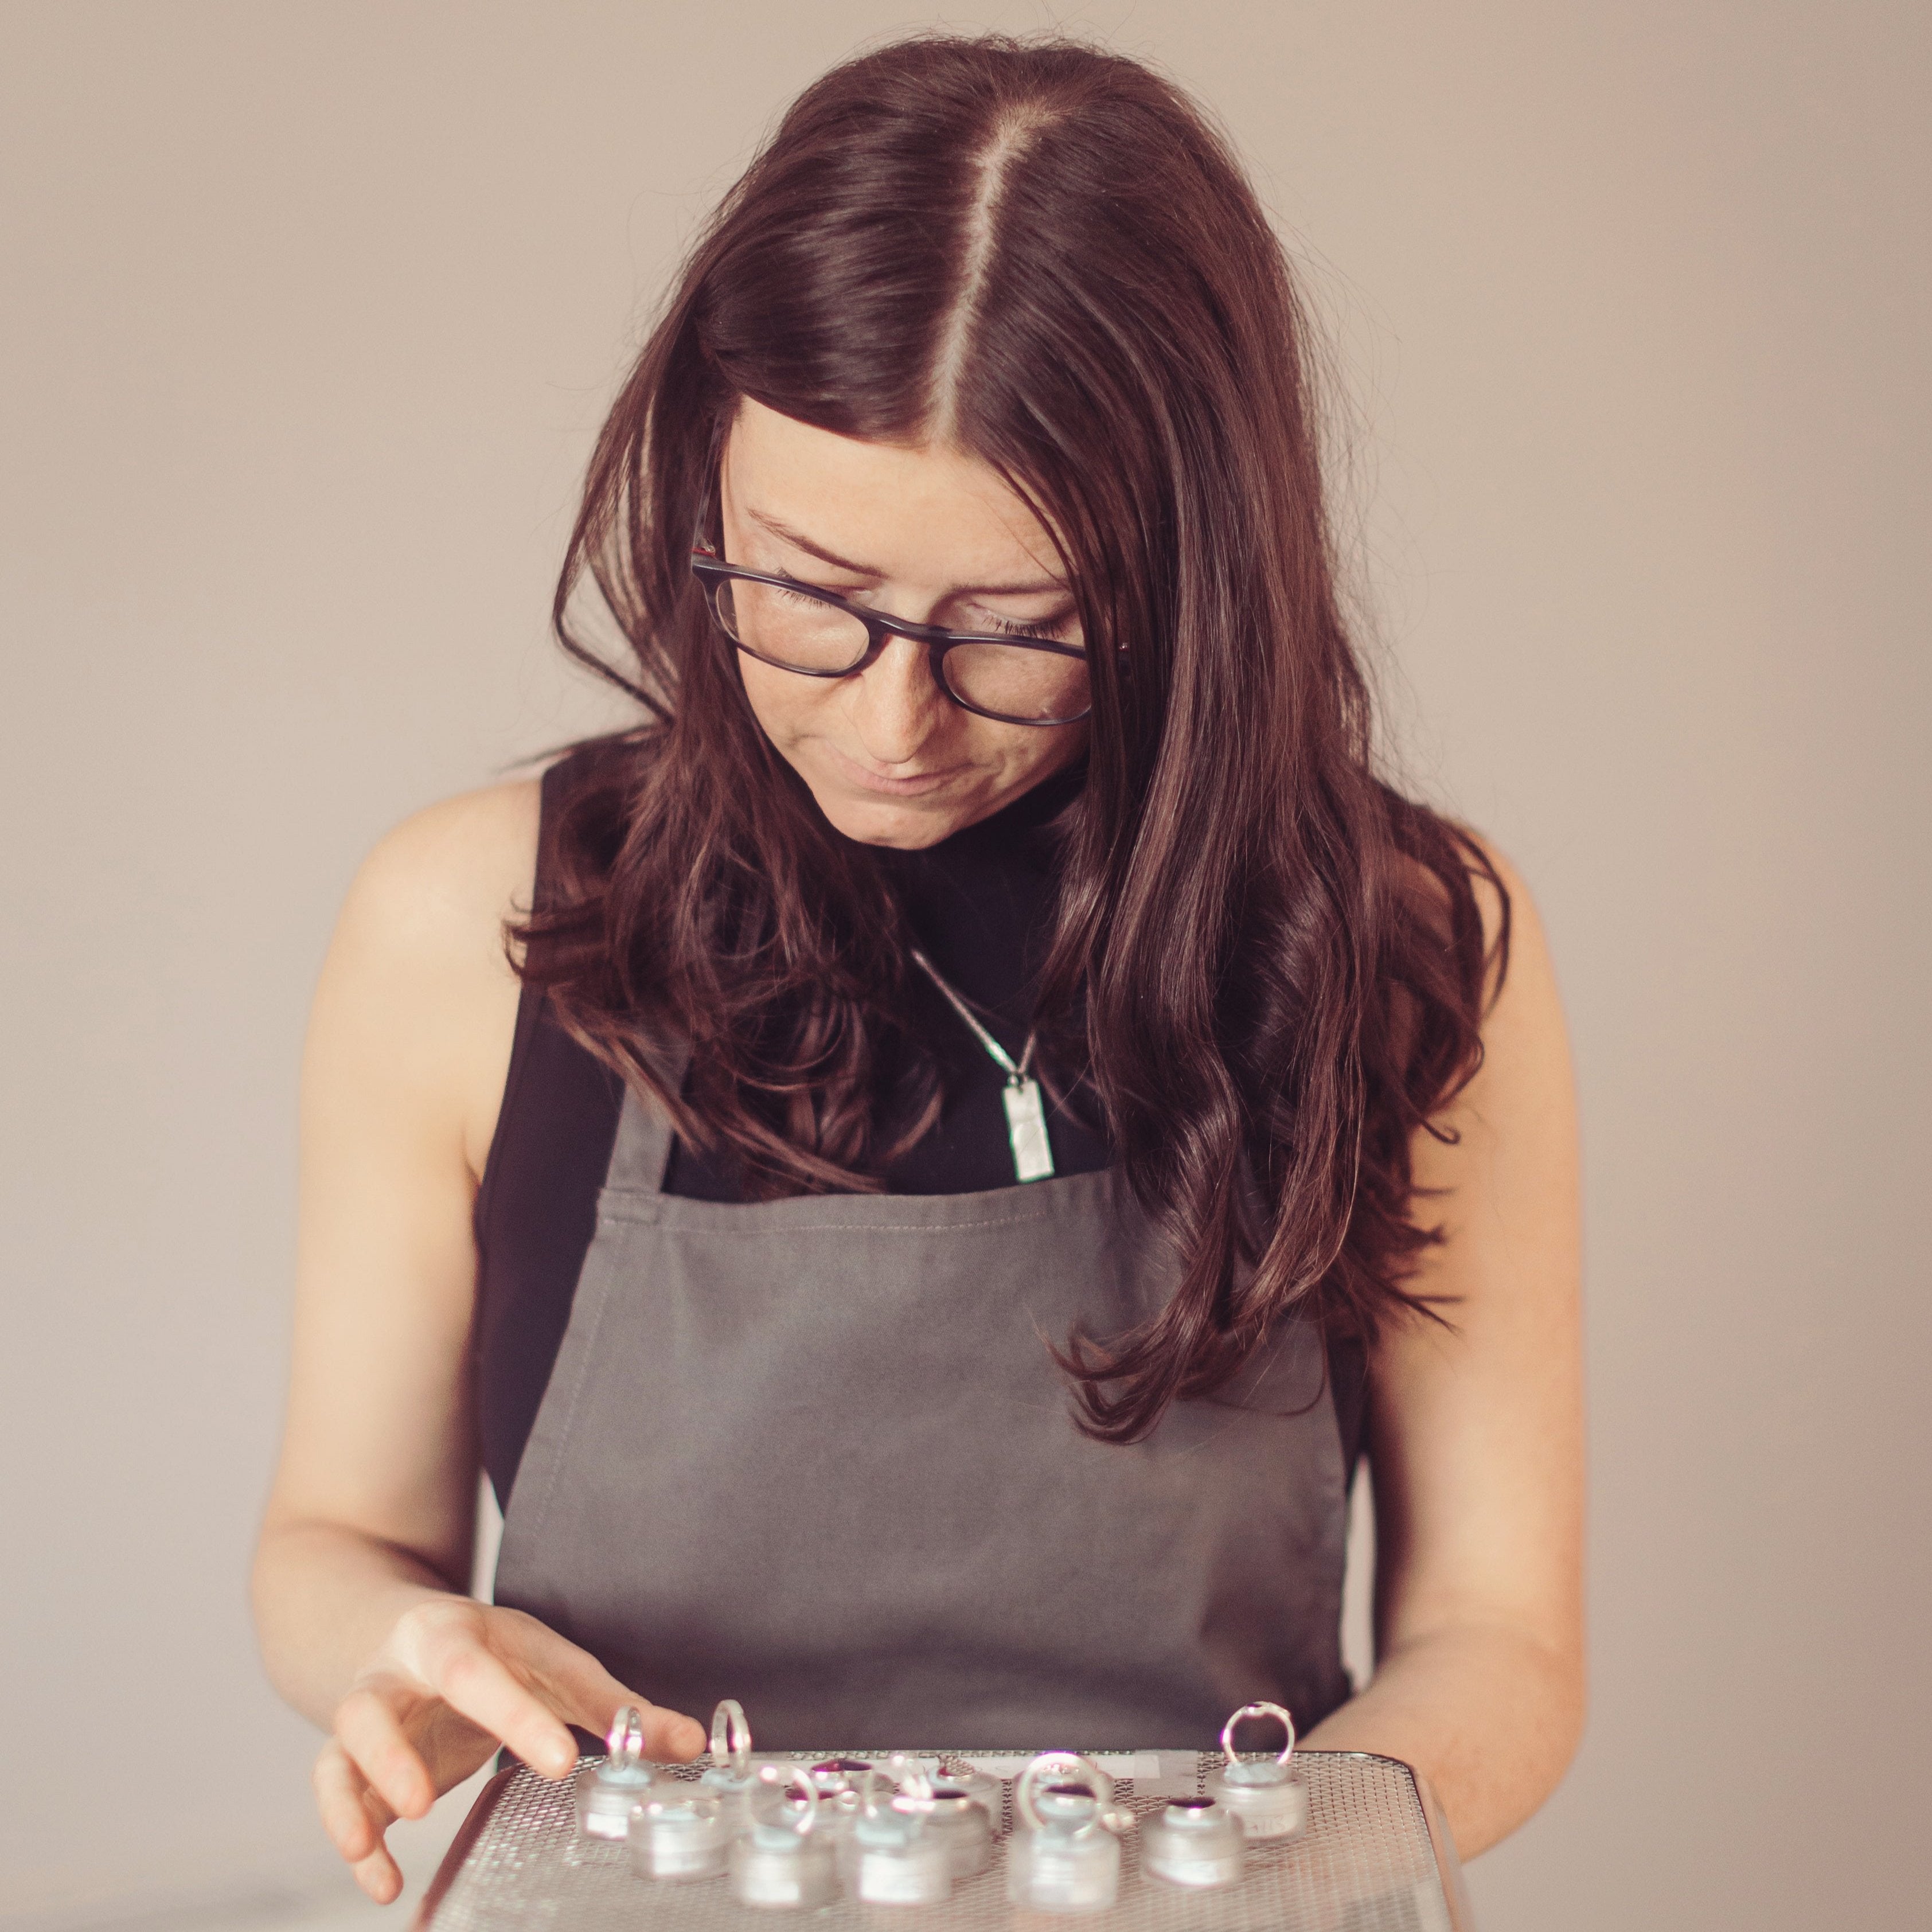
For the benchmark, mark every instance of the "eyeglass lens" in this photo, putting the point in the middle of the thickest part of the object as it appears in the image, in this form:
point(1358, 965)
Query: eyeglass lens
point(803, 633)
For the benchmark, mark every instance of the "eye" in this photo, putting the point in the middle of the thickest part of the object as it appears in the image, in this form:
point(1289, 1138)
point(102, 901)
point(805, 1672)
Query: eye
point(804, 594)
point(1049, 630)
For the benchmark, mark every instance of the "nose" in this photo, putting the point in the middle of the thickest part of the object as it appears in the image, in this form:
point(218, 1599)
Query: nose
point(898, 708)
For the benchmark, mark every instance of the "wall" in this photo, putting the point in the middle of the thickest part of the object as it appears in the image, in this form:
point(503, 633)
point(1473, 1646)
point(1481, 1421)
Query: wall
point(310, 314)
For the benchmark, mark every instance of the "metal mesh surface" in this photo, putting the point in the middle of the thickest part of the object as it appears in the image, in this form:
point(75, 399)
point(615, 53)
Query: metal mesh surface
point(1366, 1863)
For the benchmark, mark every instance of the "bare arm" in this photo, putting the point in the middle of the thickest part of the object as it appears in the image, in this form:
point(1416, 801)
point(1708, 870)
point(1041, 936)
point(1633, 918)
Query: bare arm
point(1475, 1439)
point(361, 1572)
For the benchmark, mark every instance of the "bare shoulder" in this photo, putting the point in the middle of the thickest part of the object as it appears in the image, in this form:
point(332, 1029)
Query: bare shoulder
point(1523, 1014)
point(1503, 1182)
point(417, 999)
point(456, 869)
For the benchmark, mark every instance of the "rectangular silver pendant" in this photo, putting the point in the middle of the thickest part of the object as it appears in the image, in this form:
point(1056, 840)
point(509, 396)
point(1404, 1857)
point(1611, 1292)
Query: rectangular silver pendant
point(1026, 1128)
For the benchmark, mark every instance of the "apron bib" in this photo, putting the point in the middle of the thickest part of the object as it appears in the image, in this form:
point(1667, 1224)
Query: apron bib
point(813, 1454)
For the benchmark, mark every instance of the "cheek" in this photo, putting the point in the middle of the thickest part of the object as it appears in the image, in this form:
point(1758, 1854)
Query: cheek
point(1031, 756)
point(780, 700)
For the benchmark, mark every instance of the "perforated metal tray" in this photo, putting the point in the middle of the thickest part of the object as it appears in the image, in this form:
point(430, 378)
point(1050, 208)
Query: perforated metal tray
point(1376, 1858)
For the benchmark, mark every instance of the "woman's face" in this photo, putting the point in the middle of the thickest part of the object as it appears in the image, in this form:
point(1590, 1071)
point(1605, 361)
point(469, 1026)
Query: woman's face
point(927, 534)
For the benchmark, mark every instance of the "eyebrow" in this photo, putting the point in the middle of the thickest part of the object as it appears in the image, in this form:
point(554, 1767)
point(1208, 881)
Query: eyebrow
point(798, 540)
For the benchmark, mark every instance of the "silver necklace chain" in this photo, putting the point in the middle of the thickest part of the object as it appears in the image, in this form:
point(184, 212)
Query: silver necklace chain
point(1014, 1069)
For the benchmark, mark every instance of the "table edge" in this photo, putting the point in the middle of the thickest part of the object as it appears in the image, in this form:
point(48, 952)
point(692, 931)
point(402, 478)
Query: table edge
point(467, 1833)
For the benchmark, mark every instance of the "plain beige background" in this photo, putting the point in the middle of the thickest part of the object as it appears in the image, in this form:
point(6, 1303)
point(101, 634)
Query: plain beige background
point(309, 312)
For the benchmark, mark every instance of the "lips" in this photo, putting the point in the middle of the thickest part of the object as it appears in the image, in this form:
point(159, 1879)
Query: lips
point(906, 785)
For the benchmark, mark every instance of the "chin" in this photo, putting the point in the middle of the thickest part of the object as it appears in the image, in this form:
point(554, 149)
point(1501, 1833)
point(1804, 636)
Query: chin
point(908, 823)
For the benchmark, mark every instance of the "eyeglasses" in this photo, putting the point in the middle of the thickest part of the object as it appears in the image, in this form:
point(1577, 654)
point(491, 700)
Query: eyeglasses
point(798, 627)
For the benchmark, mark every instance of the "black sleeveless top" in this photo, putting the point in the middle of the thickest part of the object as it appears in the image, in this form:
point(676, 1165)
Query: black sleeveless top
point(980, 902)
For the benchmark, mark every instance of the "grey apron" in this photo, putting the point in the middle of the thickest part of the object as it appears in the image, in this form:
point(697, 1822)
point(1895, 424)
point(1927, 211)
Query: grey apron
point(813, 1454)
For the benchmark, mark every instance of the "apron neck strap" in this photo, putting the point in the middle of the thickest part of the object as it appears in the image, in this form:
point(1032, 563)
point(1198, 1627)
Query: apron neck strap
point(642, 1151)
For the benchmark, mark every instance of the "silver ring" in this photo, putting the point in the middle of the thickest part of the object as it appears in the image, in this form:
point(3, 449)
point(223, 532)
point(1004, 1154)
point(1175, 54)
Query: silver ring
point(625, 1741)
point(911, 1780)
point(800, 1779)
point(1066, 1765)
point(730, 1737)
point(1242, 1716)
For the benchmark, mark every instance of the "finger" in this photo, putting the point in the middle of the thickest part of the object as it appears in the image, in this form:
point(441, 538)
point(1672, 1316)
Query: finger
point(579, 1687)
point(370, 1732)
point(450, 1745)
point(670, 1736)
point(477, 1685)
point(379, 1875)
point(352, 1815)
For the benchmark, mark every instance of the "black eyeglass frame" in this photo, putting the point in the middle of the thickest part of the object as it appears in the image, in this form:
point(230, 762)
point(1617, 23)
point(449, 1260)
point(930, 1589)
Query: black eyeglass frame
point(711, 570)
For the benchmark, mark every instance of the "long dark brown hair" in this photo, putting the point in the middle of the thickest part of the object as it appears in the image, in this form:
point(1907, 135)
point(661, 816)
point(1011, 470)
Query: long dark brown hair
point(1267, 964)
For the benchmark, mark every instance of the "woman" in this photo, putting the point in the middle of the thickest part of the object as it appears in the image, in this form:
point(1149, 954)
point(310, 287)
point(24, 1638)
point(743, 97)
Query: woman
point(988, 1105)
